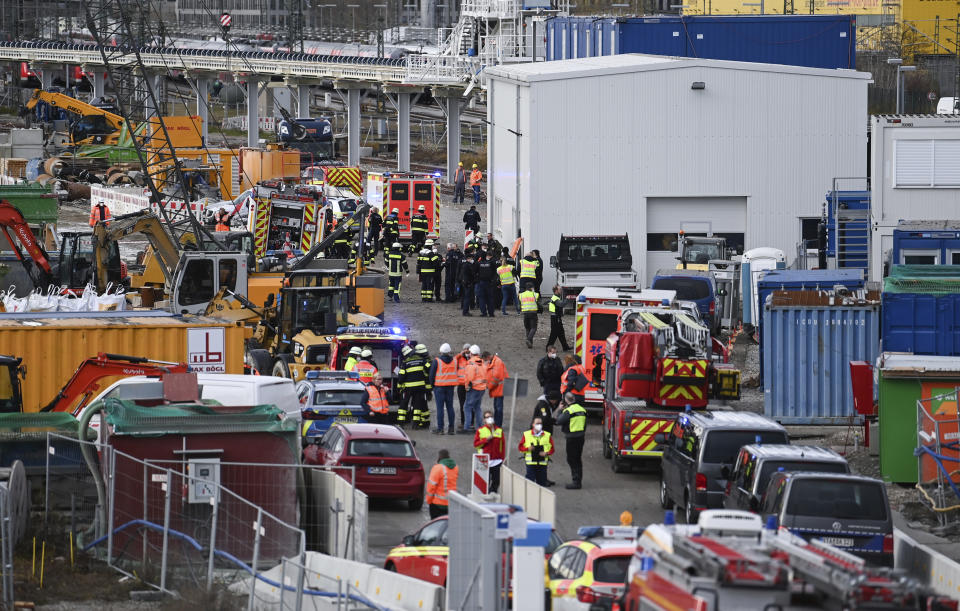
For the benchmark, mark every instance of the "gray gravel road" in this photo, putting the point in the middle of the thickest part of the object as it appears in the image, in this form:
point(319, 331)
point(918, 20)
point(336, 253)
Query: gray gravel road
point(604, 495)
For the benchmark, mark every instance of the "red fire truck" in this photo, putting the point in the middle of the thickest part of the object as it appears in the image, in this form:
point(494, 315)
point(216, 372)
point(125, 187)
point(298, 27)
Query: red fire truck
point(662, 362)
point(598, 315)
point(406, 192)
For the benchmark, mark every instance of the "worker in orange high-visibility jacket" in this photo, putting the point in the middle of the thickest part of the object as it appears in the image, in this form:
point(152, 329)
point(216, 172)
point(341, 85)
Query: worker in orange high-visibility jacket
point(496, 374)
point(365, 367)
point(475, 381)
point(375, 401)
point(99, 212)
point(445, 377)
point(442, 481)
point(475, 177)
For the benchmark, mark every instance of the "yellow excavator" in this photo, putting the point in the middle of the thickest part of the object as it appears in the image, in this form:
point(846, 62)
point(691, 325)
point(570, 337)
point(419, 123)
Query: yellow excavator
point(95, 125)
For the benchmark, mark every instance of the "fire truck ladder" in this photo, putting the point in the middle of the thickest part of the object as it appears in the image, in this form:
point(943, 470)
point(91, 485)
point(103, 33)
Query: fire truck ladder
point(692, 333)
point(847, 578)
point(730, 566)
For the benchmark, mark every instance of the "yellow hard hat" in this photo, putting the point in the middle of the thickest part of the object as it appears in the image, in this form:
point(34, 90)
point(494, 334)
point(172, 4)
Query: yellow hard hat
point(474, 165)
point(461, 163)
point(626, 519)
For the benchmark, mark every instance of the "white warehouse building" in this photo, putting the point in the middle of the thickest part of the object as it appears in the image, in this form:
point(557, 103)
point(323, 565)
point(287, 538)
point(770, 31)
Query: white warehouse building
point(650, 146)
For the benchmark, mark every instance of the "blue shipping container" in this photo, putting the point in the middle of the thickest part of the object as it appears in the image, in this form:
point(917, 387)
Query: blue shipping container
point(926, 243)
point(921, 324)
point(807, 354)
point(815, 41)
point(852, 227)
point(802, 280)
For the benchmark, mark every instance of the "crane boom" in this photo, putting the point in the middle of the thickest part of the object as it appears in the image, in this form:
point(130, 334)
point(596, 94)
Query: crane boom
point(143, 222)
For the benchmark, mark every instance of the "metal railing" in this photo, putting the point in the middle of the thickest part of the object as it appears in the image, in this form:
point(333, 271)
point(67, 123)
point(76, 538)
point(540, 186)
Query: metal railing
point(436, 68)
point(938, 451)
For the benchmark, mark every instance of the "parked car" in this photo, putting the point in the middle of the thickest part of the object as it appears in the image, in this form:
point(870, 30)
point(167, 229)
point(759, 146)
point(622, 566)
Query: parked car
point(387, 466)
point(424, 553)
point(748, 479)
point(850, 512)
point(589, 573)
point(327, 397)
point(697, 448)
point(693, 285)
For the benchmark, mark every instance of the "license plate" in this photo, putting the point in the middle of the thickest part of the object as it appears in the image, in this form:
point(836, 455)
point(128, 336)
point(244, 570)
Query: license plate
point(388, 471)
point(837, 541)
point(346, 419)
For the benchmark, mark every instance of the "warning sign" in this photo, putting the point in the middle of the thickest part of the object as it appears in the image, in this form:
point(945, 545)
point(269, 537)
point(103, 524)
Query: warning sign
point(206, 350)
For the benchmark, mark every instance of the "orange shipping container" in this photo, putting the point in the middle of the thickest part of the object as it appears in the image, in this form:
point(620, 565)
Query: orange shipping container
point(257, 165)
point(53, 346)
point(184, 132)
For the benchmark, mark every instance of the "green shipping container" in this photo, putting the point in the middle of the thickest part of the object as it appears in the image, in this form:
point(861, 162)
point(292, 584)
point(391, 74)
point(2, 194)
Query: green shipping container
point(903, 380)
point(37, 202)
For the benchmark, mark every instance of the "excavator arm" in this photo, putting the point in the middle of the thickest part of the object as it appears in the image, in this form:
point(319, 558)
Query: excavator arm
point(143, 222)
point(38, 265)
point(86, 379)
point(75, 106)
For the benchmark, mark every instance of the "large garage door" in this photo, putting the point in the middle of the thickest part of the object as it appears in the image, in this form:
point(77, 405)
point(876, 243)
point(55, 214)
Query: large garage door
point(667, 216)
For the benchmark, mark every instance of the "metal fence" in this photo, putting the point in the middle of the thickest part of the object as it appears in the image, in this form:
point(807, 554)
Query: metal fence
point(938, 452)
point(539, 503)
point(14, 515)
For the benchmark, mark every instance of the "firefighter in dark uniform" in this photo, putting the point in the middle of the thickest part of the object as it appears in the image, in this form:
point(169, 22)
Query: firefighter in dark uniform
point(418, 400)
point(573, 419)
point(556, 320)
point(374, 225)
point(413, 374)
point(391, 228)
point(341, 245)
point(396, 267)
point(418, 229)
point(425, 269)
point(437, 261)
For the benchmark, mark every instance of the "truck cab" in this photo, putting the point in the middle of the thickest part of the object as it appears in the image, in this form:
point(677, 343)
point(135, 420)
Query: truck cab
point(199, 276)
point(596, 261)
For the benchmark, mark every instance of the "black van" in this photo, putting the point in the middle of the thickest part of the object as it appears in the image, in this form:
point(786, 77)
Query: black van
point(849, 512)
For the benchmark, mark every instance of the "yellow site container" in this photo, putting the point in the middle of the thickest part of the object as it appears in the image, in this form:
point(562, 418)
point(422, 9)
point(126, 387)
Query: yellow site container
point(223, 164)
point(927, 26)
point(52, 346)
point(258, 164)
point(800, 7)
point(184, 132)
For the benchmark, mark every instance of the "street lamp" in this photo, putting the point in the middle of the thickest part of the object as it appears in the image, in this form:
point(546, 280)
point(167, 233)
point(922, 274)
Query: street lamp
point(353, 9)
point(898, 62)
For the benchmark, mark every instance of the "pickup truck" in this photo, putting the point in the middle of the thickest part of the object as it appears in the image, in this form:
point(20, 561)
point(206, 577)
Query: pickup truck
point(593, 260)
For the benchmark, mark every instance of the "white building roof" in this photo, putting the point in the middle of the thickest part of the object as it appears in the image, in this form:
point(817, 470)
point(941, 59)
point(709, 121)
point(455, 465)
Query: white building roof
point(627, 63)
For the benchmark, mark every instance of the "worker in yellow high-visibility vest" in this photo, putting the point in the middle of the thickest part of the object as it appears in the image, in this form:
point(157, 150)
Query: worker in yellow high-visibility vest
point(529, 307)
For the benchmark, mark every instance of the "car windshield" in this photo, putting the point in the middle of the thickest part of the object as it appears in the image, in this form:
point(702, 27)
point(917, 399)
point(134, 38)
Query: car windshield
point(722, 446)
point(338, 397)
point(772, 466)
point(389, 448)
point(348, 205)
point(595, 251)
point(837, 499)
point(687, 288)
point(611, 569)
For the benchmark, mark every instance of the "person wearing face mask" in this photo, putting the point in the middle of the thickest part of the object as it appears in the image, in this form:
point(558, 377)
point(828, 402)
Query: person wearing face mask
point(489, 440)
point(557, 331)
point(550, 371)
point(537, 445)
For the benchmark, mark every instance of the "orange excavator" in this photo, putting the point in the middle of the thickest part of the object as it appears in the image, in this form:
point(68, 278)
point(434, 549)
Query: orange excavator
point(38, 265)
point(84, 384)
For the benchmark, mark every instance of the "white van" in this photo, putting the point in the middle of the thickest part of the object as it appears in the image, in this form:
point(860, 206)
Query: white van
point(945, 106)
point(227, 389)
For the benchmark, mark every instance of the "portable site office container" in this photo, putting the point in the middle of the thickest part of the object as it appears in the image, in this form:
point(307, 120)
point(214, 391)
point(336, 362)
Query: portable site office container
point(815, 41)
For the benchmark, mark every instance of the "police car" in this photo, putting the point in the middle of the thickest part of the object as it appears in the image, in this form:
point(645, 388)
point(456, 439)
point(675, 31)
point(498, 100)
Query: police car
point(327, 397)
point(589, 573)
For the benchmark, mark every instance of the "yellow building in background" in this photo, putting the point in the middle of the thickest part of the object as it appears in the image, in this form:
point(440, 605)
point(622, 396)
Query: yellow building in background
point(780, 7)
point(929, 26)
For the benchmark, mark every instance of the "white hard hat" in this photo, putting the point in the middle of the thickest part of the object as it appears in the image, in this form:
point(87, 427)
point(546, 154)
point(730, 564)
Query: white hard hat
point(396, 210)
point(466, 347)
point(421, 348)
point(444, 348)
point(428, 243)
point(366, 353)
point(355, 350)
point(396, 245)
point(475, 349)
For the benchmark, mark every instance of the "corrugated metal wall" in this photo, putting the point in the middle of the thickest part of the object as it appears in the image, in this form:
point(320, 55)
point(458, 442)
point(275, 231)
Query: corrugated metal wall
point(593, 150)
point(53, 350)
point(807, 354)
point(816, 41)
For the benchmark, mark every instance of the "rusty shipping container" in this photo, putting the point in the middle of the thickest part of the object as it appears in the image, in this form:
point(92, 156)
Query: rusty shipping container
point(52, 345)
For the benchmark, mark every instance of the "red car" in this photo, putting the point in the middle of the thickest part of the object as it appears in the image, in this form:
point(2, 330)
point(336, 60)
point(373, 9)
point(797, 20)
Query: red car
point(387, 466)
point(424, 554)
